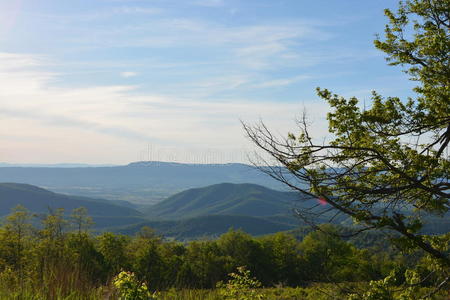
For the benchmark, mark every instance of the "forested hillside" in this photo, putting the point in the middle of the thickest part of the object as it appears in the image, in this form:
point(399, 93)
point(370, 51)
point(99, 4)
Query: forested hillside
point(40, 201)
point(174, 220)
point(192, 214)
point(229, 199)
point(210, 226)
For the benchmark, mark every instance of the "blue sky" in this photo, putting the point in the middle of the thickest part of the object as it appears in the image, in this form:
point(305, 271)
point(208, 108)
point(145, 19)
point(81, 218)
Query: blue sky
point(99, 81)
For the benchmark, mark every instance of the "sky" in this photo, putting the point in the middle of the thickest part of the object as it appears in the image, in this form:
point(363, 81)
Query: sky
point(115, 81)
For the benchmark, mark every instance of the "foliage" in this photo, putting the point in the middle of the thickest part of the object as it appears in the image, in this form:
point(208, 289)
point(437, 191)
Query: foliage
point(390, 289)
point(130, 288)
point(283, 256)
point(210, 226)
point(113, 249)
point(387, 164)
point(80, 219)
point(241, 286)
point(58, 261)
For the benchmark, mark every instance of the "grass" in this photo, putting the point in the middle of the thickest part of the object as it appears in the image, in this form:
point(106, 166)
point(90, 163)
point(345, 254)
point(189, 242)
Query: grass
point(185, 294)
point(321, 291)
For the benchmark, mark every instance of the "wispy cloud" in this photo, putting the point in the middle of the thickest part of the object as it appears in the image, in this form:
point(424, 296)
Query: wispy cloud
point(128, 74)
point(281, 81)
point(58, 120)
point(252, 46)
point(136, 10)
point(32, 105)
point(209, 3)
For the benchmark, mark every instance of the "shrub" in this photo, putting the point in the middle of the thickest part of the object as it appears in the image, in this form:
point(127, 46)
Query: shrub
point(241, 286)
point(130, 288)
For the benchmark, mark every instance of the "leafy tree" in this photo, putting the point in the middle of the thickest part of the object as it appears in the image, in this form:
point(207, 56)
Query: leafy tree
point(327, 258)
point(16, 235)
point(50, 251)
point(241, 249)
point(283, 253)
point(89, 260)
point(54, 225)
point(86, 259)
point(81, 220)
point(113, 249)
point(172, 254)
point(387, 165)
point(204, 264)
point(146, 260)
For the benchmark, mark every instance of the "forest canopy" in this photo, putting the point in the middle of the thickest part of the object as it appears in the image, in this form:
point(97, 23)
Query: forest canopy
point(59, 257)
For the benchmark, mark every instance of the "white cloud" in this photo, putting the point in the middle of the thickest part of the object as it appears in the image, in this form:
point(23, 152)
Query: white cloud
point(128, 74)
point(281, 81)
point(80, 124)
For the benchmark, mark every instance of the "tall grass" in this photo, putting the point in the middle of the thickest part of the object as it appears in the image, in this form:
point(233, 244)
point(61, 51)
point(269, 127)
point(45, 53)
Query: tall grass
point(57, 283)
point(317, 292)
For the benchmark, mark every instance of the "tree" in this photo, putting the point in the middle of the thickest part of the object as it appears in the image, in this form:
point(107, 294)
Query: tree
point(146, 260)
point(387, 165)
point(328, 258)
point(204, 265)
point(17, 232)
point(51, 249)
point(113, 249)
point(284, 260)
point(81, 220)
point(241, 250)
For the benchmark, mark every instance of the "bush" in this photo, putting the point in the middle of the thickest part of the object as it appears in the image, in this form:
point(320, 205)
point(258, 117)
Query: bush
point(241, 286)
point(130, 288)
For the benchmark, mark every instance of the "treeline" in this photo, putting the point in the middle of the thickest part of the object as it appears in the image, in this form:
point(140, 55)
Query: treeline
point(58, 255)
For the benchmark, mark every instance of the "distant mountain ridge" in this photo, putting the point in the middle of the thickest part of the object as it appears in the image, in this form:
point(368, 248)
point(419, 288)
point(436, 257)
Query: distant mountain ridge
point(61, 165)
point(139, 182)
point(228, 199)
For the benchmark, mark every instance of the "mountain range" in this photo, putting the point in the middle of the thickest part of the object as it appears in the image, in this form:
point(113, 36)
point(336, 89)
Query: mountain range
point(194, 213)
point(143, 183)
point(191, 214)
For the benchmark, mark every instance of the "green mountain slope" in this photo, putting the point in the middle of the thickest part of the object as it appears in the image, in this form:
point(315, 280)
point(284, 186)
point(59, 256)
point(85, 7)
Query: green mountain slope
point(228, 199)
point(208, 226)
point(39, 200)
